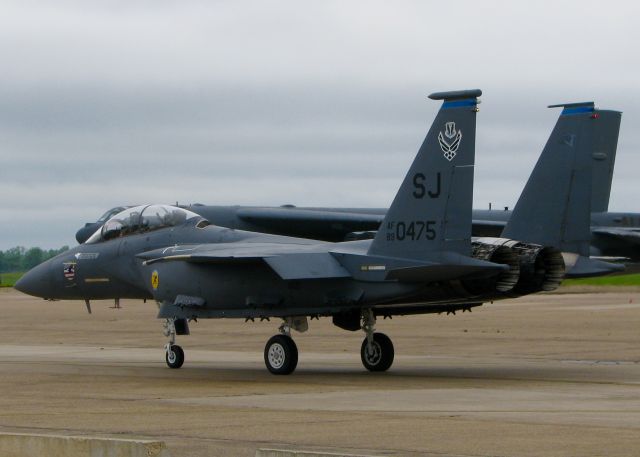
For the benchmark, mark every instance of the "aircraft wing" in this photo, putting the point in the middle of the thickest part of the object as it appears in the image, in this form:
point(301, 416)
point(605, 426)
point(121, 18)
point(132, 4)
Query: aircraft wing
point(628, 235)
point(283, 259)
point(488, 223)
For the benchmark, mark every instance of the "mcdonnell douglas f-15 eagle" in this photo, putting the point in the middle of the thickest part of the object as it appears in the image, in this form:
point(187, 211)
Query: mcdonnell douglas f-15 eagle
point(422, 259)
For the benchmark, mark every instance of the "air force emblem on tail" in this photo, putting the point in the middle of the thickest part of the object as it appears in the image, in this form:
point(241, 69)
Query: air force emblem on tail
point(450, 140)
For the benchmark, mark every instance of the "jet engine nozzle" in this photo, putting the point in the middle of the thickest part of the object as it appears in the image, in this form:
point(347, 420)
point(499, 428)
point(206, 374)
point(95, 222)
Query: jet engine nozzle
point(505, 280)
point(541, 268)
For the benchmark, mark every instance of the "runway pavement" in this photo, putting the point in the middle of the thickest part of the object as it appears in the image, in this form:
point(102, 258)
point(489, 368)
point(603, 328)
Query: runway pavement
point(544, 375)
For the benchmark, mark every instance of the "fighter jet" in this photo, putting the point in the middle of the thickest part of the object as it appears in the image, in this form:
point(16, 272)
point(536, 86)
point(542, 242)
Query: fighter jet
point(422, 260)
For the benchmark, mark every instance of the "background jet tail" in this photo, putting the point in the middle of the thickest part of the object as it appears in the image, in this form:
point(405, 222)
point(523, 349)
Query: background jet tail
point(605, 141)
point(554, 208)
point(431, 212)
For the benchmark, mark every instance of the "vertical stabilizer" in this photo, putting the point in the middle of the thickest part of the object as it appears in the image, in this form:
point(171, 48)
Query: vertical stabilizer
point(554, 208)
point(431, 212)
point(604, 157)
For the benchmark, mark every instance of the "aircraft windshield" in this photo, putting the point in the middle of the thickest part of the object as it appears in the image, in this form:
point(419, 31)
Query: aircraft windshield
point(140, 219)
point(110, 213)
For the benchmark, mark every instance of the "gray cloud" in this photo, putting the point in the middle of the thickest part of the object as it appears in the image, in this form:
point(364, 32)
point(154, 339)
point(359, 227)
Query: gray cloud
point(321, 103)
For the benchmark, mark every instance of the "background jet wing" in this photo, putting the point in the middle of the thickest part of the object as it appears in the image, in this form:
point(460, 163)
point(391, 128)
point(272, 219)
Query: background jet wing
point(628, 235)
point(318, 222)
point(311, 222)
point(485, 227)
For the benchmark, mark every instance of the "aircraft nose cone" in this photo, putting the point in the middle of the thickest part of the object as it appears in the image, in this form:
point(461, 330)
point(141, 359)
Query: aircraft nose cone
point(36, 282)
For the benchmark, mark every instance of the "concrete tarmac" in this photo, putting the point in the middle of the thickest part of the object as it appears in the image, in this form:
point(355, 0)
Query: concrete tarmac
point(537, 376)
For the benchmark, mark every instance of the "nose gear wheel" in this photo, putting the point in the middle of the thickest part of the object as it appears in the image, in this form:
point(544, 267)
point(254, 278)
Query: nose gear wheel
point(174, 356)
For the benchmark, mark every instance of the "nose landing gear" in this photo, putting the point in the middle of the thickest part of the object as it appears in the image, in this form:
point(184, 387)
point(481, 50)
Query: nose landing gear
point(174, 355)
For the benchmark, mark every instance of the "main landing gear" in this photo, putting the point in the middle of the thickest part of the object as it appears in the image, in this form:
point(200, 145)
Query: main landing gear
point(376, 351)
point(281, 352)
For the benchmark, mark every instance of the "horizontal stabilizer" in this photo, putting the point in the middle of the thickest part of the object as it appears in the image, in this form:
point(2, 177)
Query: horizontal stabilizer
point(585, 267)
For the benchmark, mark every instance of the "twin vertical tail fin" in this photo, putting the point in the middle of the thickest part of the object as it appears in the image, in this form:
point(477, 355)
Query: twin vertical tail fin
point(431, 213)
point(554, 208)
point(605, 142)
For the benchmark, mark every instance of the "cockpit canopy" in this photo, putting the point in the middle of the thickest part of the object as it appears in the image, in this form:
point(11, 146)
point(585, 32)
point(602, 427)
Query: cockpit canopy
point(141, 219)
point(110, 213)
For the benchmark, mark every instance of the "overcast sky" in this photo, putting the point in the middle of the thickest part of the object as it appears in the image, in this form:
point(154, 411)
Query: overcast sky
point(265, 103)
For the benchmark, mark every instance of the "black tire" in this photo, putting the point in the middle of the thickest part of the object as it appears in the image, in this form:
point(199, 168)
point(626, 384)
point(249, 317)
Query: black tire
point(281, 355)
point(382, 356)
point(174, 357)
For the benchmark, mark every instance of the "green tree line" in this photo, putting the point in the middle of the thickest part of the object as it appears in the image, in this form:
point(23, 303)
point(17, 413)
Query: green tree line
point(22, 259)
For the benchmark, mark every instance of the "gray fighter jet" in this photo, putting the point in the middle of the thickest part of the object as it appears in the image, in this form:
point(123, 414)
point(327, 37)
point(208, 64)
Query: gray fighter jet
point(422, 260)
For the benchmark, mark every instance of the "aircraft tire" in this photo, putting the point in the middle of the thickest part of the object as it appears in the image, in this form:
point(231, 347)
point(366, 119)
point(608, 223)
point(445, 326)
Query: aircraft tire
point(281, 355)
point(174, 357)
point(382, 356)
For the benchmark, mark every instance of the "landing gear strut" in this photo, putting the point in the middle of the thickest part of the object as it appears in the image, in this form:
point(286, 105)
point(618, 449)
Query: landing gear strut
point(376, 351)
point(174, 355)
point(281, 352)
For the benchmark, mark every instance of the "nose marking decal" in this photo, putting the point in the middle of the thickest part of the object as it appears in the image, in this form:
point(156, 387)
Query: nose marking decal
point(155, 280)
point(69, 269)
